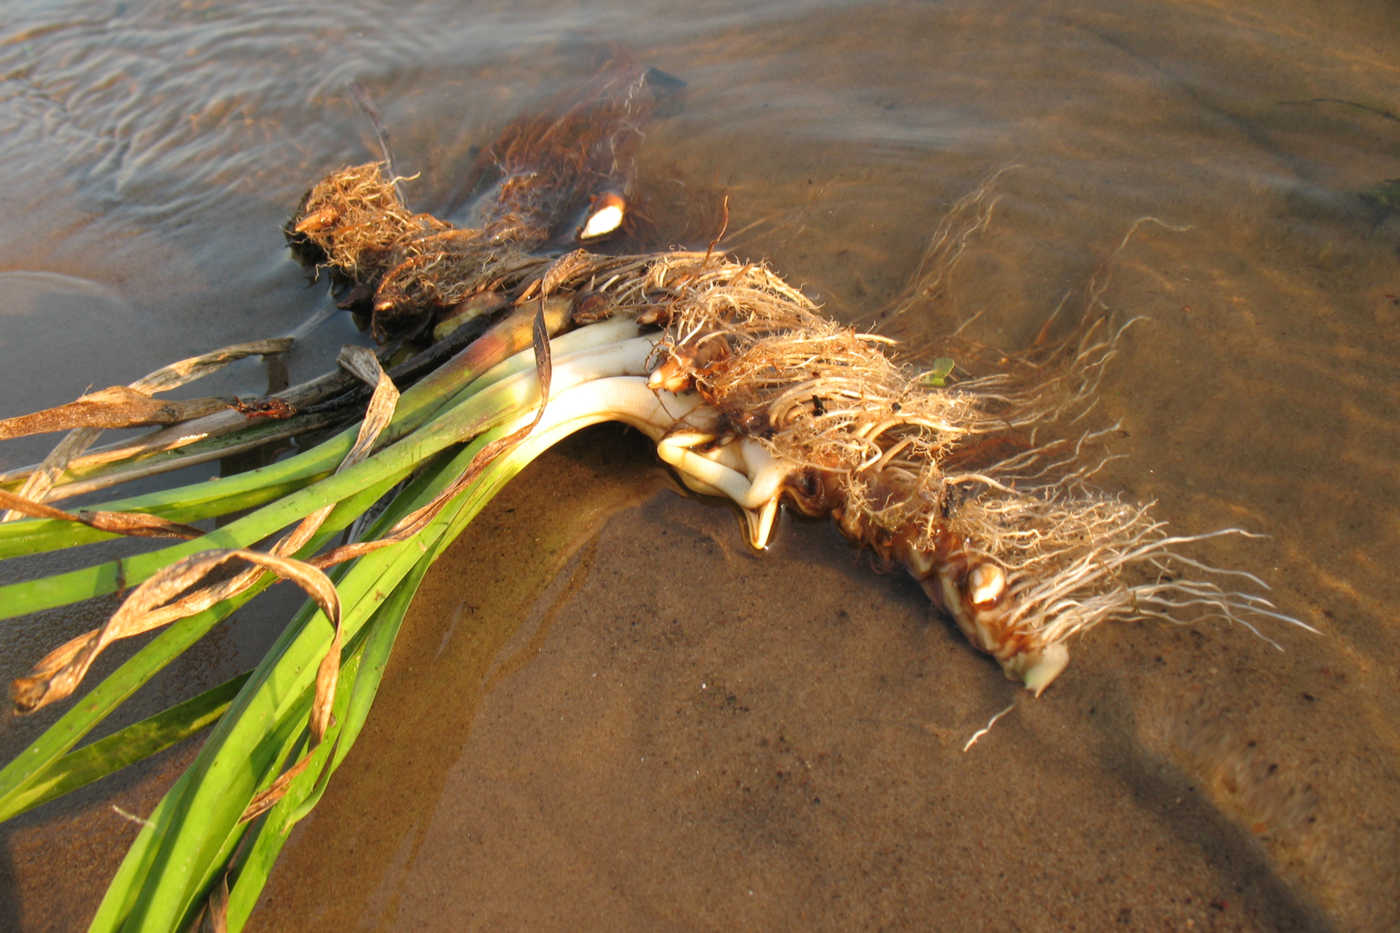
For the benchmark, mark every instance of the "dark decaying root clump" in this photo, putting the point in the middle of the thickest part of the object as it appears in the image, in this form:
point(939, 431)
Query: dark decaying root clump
point(533, 181)
point(533, 186)
point(355, 221)
point(403, 273)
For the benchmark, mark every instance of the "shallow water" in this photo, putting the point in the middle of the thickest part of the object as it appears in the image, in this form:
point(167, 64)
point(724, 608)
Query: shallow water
point(606, 710)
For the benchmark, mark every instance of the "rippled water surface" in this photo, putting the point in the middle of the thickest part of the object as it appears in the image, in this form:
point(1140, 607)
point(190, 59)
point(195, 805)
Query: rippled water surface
point(605, 710)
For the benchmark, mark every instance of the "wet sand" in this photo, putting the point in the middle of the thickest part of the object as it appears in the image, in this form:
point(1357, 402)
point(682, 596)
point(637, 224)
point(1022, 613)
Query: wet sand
point(676, 733)
point(606, 711)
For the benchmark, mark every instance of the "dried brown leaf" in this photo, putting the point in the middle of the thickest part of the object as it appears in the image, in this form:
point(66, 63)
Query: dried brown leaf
point(60, 673)
point(41, 480)
point(133, 524)
point(113, 407)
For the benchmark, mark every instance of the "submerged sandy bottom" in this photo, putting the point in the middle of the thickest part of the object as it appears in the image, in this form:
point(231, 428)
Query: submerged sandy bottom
point(605, 711)
point(674, 732)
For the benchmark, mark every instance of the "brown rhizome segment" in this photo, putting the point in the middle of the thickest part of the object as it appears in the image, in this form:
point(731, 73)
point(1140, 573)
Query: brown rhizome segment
point(969, 486)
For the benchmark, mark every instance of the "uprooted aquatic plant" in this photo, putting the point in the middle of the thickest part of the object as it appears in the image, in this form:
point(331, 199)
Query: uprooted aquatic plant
point(747, 390)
